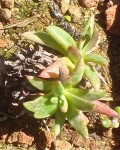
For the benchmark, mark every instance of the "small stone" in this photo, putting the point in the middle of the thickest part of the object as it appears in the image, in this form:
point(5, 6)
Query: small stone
point(64, 145)
point(5, 14)
point(3, 43)
point(1, 27)
point(7, 3)
point(21, 138)
point(64, 5)
point(14, 11)
point(75, 13)
point(113, 19)
point(46, 139)
point(88, 3)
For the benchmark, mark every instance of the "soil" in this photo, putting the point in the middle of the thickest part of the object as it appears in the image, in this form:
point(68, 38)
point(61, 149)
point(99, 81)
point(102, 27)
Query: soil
point(18, 129)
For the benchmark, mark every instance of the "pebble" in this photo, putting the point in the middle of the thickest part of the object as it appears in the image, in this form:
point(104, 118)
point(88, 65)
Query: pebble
point(113, 19)
point(59, 144)
point(7, 3)
point(75, 13)
point(88, 3)
point(5, 14)
point(1, 27)
point(64, 5)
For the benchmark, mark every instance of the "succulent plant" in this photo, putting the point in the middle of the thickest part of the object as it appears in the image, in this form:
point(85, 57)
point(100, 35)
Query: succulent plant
point(62, 98)
point(111, 122)
point(106, 122)
point(61, 41)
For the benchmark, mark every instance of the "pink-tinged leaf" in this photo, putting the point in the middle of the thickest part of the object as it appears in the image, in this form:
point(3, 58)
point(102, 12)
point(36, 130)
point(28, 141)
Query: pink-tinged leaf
point(52, 71)
point(104, 109)
point(65, 77)
point(74, 54)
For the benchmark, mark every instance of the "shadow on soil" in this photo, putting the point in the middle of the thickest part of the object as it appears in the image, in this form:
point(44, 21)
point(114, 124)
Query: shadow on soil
point(113, 52)
point(114, 56)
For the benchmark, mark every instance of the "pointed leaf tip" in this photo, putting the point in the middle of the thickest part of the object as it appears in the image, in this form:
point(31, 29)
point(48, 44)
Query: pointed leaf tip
point(104, 109)
point(52, 71)
point(78, 121)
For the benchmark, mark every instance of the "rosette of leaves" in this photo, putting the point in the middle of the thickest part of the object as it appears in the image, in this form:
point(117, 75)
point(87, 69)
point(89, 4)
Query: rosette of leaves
point(62, 98)
point(61, 41)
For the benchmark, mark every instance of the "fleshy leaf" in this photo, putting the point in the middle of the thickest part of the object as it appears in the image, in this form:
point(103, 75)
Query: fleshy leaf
point(58, 89)
point(117, 109)
point(61, 37)
point(78, 102)
point(81, 42)
point(78, 121)
point(78, 72)
point(59, 121)
point(95, 58)
point(74, 54)
point(86, 34)
point(92, 76)
point(54, 100)
point(92, 44)
point(41, 107)
point(104, 109)
point(106, 122)
point(65, 77)
point(44, 38)
point(76, 57)
point(63, 104)
point(41, 84)
point(52, 71)
point(89, 28)
point(88, 94)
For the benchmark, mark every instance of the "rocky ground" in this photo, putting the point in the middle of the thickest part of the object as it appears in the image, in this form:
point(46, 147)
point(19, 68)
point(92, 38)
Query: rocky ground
point(20, 57)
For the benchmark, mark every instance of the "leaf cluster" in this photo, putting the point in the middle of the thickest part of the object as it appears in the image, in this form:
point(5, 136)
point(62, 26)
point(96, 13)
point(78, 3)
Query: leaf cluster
point(62, 96)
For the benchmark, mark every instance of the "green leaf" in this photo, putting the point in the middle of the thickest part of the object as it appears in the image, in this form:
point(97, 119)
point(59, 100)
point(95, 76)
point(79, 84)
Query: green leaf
point(78, 102)
point(81, 42)
point(58, 89)
point(92, 44)
point(68, 18)
point(78, 121)
point(88, 94)
point(54, 100)
point(74, 54)
point(44, 39)
point(106, 122)
point(95, 58)
point(117, 109)
point(41, 107)
point(63, 104)
point(59, 121)
point(115, 123)
point(89, 28)
point(78, 72)
point(92, 76)
point(41, 84)
point(61, 37)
